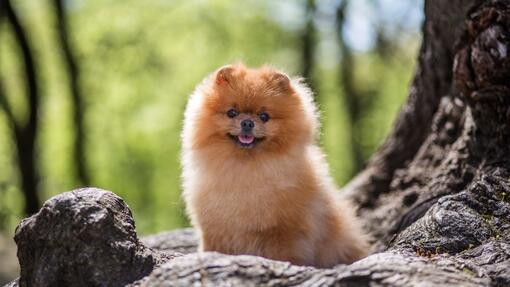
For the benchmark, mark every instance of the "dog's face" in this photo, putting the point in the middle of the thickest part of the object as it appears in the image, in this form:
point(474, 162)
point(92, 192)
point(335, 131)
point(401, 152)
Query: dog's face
point(249, 111)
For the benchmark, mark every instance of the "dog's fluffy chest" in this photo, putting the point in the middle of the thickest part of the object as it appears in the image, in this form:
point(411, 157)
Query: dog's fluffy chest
point(237, 195)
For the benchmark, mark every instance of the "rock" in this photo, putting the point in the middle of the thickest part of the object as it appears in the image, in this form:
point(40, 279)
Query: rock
point(85, 237)
point(182, 241)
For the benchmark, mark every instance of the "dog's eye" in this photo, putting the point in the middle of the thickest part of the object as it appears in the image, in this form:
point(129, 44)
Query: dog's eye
point(264, 117)
point(232, 113)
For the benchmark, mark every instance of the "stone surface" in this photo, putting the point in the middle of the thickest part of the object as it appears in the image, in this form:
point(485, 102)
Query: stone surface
point(84, 237)
point(183, 241)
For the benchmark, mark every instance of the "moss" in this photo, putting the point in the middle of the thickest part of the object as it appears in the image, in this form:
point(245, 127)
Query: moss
point(468, 271)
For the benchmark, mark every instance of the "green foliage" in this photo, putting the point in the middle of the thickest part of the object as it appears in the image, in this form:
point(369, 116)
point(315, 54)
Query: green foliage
point(139, 61)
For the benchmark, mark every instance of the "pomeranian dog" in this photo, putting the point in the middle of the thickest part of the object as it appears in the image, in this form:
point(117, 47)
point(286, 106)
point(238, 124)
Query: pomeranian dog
point(254, 180)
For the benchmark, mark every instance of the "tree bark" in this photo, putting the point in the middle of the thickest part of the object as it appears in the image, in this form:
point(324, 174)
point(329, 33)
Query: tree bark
point(25, 132)
point(430, 153)
point(435, 197)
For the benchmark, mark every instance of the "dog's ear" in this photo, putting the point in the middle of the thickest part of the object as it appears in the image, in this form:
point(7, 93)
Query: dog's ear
point(225, 75)
point(281, 80)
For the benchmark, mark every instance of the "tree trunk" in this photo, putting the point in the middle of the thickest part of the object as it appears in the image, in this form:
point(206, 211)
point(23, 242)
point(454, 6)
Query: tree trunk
point(308, 42)
point(351, 95)
point(25, 132)
point(77, 101)
point(435, 197)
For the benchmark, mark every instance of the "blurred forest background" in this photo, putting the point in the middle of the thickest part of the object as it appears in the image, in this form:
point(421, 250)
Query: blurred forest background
point(92, 92)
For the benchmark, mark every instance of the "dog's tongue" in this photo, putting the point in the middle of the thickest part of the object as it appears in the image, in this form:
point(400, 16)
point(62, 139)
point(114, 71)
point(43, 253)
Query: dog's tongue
point(246, 139)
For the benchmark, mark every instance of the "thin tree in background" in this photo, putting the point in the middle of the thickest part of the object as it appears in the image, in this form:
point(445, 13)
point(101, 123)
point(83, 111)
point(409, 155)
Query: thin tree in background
point(308, 42)
point(25, 131)
point(77, 102)
point(352, 96)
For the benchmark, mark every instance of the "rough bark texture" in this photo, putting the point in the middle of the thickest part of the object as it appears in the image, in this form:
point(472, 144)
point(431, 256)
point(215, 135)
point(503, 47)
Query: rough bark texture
point(436, 197)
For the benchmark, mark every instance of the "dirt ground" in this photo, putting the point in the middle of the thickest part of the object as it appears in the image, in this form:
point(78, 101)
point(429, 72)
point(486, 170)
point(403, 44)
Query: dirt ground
point(9, 268)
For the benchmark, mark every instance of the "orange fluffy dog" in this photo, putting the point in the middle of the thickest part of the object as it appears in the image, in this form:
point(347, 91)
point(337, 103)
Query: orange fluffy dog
point(254, 180)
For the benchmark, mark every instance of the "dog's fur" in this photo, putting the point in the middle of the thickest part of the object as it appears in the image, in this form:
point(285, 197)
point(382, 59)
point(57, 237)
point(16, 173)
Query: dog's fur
point(274, 199)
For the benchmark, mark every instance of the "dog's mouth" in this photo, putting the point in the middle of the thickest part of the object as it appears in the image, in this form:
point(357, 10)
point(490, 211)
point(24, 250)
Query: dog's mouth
point(245, 140)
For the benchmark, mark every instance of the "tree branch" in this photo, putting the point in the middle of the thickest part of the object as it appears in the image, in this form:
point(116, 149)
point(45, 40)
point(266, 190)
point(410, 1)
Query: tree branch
point(3, 100)
point(28, 61)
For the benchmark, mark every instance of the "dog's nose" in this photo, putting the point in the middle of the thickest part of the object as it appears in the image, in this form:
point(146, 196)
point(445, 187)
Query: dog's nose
point(247, 125)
